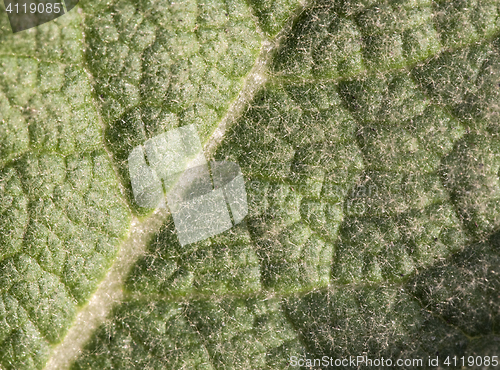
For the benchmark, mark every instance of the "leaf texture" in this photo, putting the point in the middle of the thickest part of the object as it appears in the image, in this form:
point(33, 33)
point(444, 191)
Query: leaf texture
point(370, 161)
point(62, 215)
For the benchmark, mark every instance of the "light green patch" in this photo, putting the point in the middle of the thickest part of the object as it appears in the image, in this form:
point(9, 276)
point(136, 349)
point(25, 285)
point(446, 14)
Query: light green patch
point(61, 213)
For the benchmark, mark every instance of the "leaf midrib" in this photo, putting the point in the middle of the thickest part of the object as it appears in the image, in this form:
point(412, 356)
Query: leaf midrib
point(88, 319)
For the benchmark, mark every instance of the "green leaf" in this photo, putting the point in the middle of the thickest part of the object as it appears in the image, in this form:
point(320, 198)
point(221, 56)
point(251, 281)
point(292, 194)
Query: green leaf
point(367, 134)
point(62, 215)
point(181, 64)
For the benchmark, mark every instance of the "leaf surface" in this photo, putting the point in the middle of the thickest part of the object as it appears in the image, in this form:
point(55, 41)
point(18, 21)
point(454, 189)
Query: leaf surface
point(370, 157)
